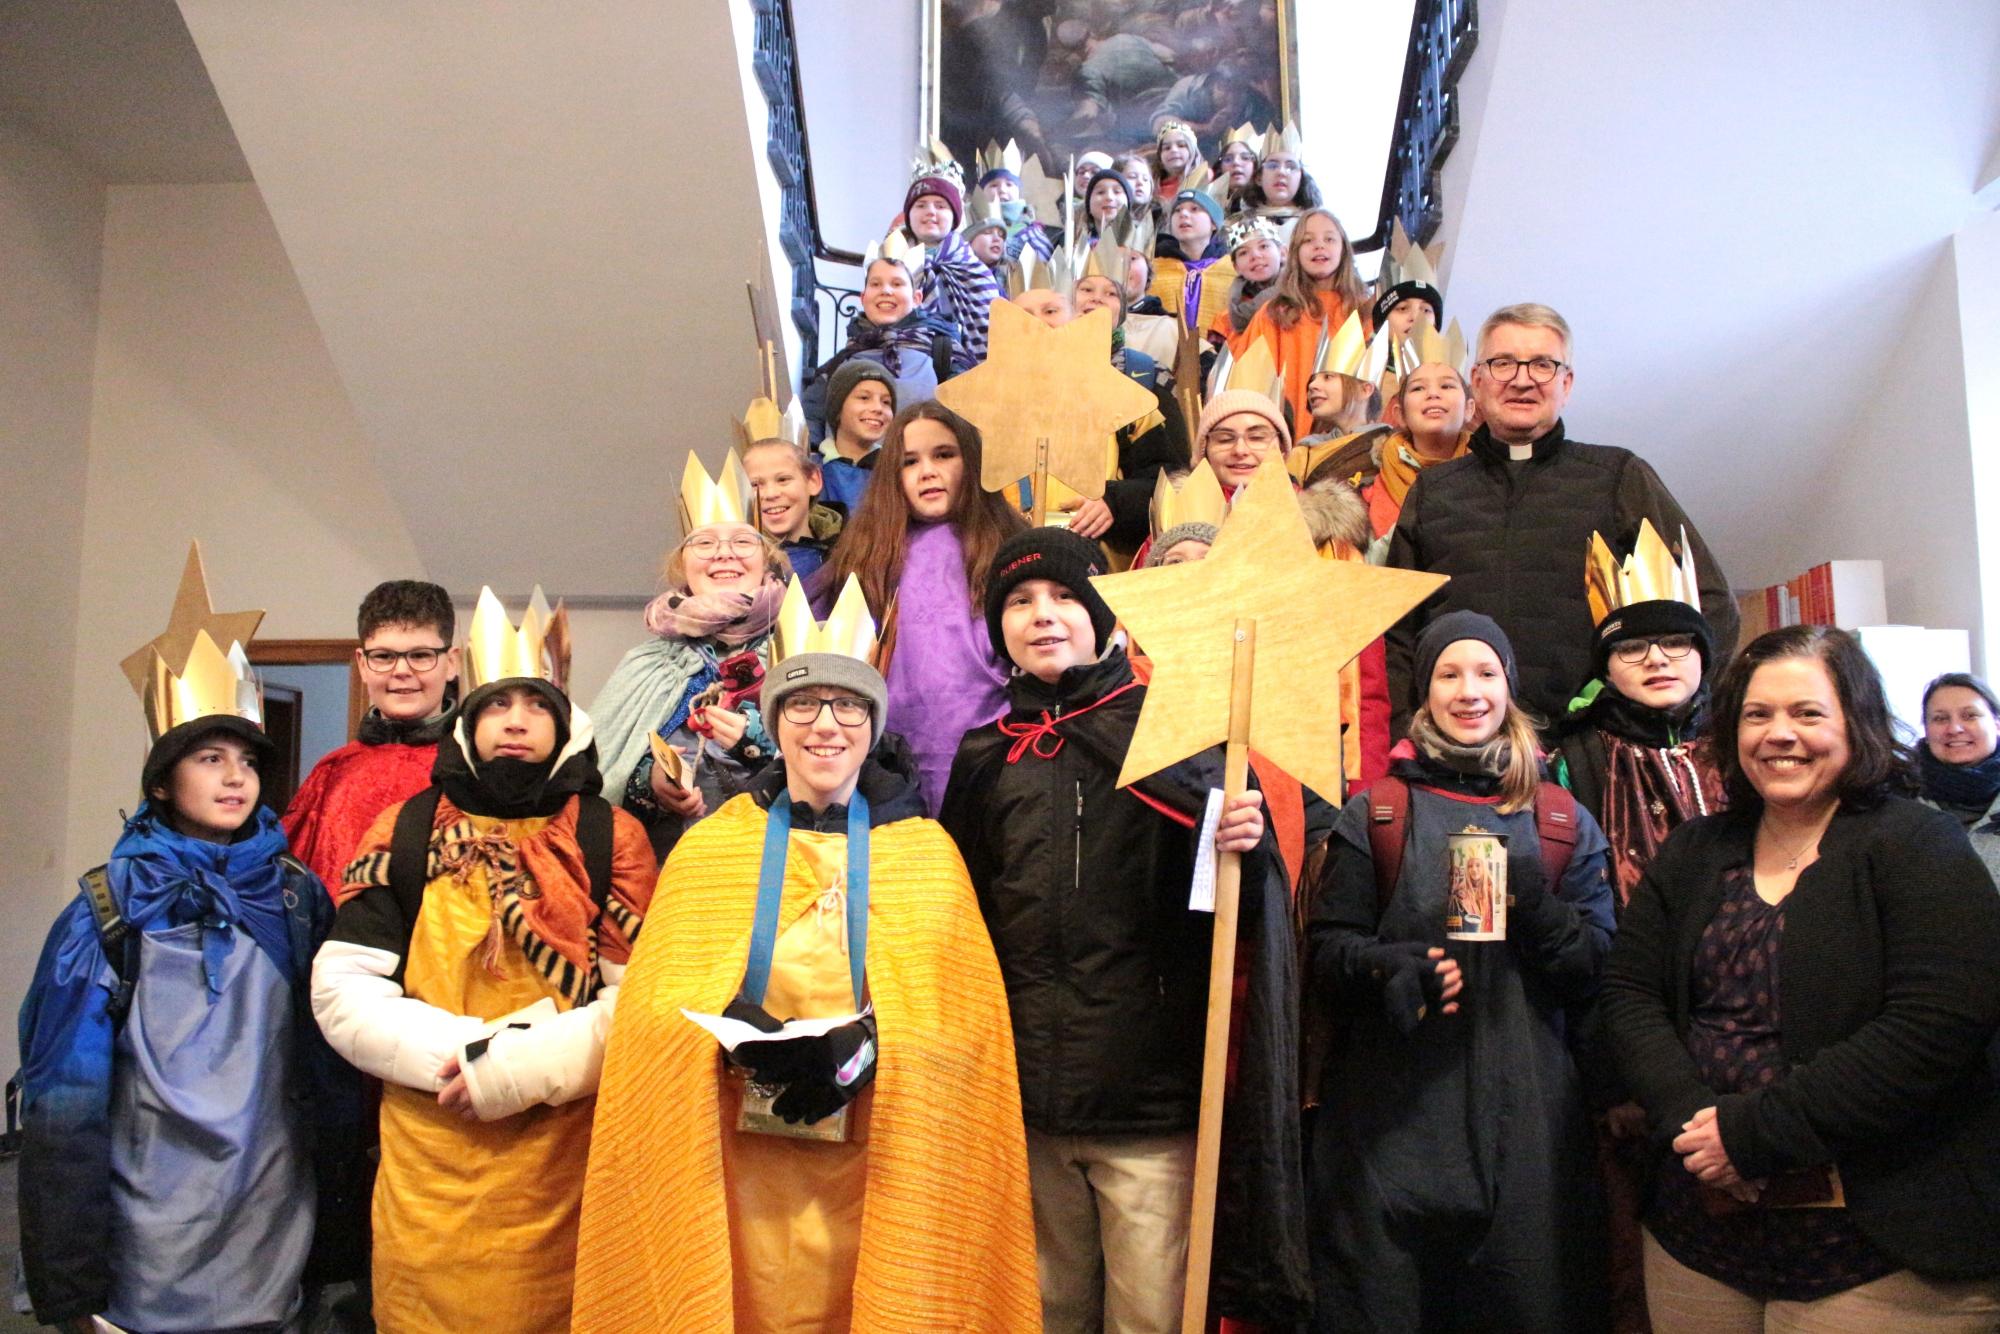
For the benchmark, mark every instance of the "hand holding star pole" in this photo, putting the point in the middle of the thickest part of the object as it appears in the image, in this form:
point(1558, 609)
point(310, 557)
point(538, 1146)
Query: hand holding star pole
point(1045, 400)
point(1247, 648)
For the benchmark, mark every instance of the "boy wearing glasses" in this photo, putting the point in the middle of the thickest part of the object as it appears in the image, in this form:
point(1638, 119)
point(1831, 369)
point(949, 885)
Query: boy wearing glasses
point(1507, 520)
point(408, 666)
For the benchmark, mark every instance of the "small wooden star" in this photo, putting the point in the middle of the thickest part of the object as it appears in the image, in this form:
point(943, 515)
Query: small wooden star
point(1313, 617)
point(1039, 383)
point(192, 613)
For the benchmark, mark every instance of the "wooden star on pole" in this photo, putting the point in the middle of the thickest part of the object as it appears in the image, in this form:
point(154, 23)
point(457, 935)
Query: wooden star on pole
point(192, 613)
point(1040, 384)
point(1313, 616)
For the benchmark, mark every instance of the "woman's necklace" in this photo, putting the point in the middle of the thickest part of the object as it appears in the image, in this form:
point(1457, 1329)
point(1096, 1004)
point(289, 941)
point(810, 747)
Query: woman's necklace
point(1812, 839)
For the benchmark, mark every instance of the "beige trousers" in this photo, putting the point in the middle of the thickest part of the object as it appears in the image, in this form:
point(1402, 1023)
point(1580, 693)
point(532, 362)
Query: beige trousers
point(1111, 1230)
point(1681, 1301)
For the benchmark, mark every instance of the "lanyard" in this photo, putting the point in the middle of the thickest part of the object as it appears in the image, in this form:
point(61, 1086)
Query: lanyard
point(771, 891)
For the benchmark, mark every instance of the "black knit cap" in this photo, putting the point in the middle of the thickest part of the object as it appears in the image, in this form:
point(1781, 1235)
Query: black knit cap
point(1447, 630)
point(1643, 620)
point(846, 378)
point(559, 705)
point(1055, 554)
point(1403, 291)
point(178, 741)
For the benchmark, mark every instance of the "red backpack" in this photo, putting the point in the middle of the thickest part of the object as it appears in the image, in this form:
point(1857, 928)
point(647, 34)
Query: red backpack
point(1389, 824)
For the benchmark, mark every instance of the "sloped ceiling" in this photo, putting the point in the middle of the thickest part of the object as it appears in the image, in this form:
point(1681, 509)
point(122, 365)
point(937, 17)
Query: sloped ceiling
point(1737, 210)
point(517, 225)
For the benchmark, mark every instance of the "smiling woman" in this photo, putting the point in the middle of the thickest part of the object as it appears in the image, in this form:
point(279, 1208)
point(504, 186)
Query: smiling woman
point(1861, 1086)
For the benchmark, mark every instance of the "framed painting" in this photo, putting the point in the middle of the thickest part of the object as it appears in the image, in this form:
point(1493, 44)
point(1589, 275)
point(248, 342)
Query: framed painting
point(1062, 77)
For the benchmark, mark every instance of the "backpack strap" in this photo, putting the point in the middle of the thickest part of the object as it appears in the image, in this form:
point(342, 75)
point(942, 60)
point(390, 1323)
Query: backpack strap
point(116, 936)
point(941, 356)
point(1388, 801)
point(1555, 826)
point(410, 852)
point(593, 839)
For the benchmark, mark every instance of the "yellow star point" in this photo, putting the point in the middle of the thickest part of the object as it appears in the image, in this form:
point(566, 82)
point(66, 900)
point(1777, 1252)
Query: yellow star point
point(1039, 383)
point(1313, 617)
point(192, 614)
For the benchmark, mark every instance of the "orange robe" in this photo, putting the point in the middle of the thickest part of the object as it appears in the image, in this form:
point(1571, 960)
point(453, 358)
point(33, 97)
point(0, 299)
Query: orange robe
point(1296, 350)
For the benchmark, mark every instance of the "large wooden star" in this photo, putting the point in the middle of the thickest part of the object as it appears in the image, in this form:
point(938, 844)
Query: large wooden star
point(192, 613)
point(1313, 617)
point(1039, 383)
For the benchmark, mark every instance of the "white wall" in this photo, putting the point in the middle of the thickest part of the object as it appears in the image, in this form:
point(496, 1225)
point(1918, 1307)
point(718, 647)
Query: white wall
point(216, 415)
point(1976, 259)
point(859, 62)
point(51, 225)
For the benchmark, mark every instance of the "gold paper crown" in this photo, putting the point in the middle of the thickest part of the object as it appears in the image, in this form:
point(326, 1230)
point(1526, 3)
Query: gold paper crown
point(1246, 134)
point(1198, 499)
point(1649, 574)
point(1344, 351)
point(934, 159)
point(849, 631)
point(1256, 368)
point(991, 214)
point(1247, 227)
point(1427, 347)
point(896, 247)
point(1289, 141)
point(1171, 125)
point(996, 158)
point(196, 667)
point(763, 420)
point(725, 498)
point(1409, 263)
point(495, 650)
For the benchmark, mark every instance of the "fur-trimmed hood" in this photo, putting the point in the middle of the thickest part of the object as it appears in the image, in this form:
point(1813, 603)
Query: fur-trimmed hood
point(1335, 512)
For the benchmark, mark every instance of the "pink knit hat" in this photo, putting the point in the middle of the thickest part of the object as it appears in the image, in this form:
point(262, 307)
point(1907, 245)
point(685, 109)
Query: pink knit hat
point(1232, 401)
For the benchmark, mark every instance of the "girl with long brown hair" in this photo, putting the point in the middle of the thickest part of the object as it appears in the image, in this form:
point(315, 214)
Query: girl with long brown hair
point(922, 546)
point(1312, 298)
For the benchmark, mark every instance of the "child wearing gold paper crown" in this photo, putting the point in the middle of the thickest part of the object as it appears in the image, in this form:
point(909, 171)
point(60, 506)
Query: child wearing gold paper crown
point(473, 968)
point(782, 1185)
point(176, 1098)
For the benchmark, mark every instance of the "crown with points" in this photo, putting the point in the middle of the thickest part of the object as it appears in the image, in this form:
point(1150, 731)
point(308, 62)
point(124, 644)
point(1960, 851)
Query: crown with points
point(724, 498)
point(991, 214)
point(1288, 141)
point(1255, 368)
point(1198, 499)
point(1247, 227)
point(1246, 134)
point(1408, 262)
point(196, 667)
point(497, 650)
point(995, 158)
point(849, 630)
point(897, 248)
point(1344, 351)
point(1650, 574)
point(1427, 347)
point(763, 420)
point(934, 159)
point(1172, 125)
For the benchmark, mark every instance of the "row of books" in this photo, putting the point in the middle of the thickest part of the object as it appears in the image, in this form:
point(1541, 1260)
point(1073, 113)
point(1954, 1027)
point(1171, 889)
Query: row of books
point(1844, 593)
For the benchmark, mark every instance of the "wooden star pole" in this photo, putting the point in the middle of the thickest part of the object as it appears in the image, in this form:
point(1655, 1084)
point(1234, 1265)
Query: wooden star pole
point(1271, 680)
point(1045, 401)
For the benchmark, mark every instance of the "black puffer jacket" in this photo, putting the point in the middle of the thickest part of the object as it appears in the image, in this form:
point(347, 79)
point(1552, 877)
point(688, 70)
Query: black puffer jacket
point(1513, 538)
point(1085, 889)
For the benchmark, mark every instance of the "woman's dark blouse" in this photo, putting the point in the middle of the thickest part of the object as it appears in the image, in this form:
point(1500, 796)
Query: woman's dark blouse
point(1733, 1035)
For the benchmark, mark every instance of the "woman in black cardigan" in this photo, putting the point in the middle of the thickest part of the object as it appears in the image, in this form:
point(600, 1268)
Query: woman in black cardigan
point(1802, 995)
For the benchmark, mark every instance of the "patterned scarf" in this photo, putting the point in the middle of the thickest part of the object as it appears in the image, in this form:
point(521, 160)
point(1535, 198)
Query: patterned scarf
point(729, 616)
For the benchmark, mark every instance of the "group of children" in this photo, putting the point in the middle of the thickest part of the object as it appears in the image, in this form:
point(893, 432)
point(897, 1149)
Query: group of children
point(822, 974)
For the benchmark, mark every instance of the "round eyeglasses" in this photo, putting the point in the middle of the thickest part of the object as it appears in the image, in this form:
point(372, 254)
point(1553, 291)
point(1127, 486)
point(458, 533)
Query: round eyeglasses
point(706, 545)
point(1675, 647)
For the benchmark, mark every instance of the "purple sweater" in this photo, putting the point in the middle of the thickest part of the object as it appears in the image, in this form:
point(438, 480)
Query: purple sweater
point(944, 679)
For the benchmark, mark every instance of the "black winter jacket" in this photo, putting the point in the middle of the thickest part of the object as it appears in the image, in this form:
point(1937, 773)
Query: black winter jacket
point(1513, 539)
point(1889, 996)
point(1084, 887)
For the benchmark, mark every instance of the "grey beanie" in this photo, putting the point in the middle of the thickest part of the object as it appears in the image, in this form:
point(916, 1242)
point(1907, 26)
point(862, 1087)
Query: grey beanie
point(1192, 531)
point(1447, 630)
point(824, 669)
point(842, 382)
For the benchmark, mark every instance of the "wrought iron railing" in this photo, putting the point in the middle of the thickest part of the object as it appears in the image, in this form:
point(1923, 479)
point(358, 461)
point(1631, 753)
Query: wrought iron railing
point(1443, 34)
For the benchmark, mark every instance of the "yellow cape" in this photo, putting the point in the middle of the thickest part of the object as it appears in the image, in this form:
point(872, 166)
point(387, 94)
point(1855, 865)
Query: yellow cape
point(947, 1239)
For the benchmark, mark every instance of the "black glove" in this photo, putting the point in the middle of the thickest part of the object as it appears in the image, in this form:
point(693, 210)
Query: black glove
point(776, 1060)
point(1411, 984)
point(846, 1058)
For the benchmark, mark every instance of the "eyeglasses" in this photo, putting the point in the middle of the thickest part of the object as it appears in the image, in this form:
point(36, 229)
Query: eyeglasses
point(1675, 647)
point(706, 545)
point(1541, 370)
point(805, 709)
point(381, 660)
point(1228, 439)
